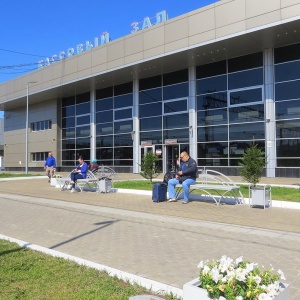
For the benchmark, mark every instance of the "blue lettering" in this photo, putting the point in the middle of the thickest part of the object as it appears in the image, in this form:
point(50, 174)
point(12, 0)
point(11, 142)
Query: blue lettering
point(146, 23)
point(70, 52)
point(135, 27)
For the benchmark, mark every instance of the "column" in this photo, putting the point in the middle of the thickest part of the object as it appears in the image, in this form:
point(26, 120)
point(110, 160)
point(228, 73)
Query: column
point(270, 119)
point(93, 122)
point(192, 107)
point(136, 126)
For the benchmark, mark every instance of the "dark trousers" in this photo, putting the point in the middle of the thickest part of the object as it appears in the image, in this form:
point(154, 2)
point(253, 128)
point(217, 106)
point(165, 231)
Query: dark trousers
point(74, 177)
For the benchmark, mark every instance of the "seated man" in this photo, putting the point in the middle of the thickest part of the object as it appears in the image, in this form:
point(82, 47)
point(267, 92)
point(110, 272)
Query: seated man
point(93, 165)
point(186, 176)
point(79, 172)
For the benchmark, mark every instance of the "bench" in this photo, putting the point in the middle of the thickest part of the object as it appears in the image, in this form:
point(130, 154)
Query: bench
point(213, 181)
point(91, 181)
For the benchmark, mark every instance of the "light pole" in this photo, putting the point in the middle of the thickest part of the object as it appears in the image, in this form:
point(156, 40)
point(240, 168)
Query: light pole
point(26, 142)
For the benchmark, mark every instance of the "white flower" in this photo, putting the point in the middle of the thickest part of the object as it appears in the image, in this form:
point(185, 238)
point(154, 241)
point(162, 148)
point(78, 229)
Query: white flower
point(239, 260)
point(225, 264)
point(215, 275)
point(264, 296)
point(241, 274)
point(257, 279)
point(239, 298)
point(205, 270)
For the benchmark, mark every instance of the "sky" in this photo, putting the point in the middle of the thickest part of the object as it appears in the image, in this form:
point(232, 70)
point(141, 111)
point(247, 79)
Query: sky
point(36, 29)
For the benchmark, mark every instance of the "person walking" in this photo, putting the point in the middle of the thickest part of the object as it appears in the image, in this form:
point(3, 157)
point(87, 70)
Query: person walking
point(79, 172)
point(50, 166)
point(186, 176)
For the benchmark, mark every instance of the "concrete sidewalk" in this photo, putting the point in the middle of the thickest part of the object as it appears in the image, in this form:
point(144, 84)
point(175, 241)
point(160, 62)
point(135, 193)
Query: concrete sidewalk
point(159, 241)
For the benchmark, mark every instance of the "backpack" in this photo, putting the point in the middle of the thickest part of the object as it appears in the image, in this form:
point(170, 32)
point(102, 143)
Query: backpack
point(169, 175)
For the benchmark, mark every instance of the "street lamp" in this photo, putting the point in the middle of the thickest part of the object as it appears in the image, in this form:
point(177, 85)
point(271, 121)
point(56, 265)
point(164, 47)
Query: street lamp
point(26, 142)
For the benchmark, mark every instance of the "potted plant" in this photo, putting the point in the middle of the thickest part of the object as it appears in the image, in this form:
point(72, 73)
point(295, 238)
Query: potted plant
point(228, 279)
point(253, 163)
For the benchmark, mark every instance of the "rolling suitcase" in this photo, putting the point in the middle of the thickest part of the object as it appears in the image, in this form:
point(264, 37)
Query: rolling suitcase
point(159, 192)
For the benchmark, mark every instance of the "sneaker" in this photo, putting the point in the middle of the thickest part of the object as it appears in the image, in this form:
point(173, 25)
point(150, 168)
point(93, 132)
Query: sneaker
point(185, 202)
point(172, 200)
point(73, 190)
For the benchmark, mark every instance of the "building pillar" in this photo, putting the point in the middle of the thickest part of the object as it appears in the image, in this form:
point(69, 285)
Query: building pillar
point(192, 108)
point(93, 122)
point(136, 126)
point(270, 118)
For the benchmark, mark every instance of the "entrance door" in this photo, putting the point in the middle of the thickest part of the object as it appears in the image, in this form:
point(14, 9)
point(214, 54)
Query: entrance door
point(172, 155)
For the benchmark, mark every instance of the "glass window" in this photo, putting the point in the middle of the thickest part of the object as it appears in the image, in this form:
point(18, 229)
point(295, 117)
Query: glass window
point(42, 125)
point(82, 109)
point(212, 84)
point(154, 136)
point(176, 121)
point(250, 61)
point(246, 96)
point(288, 148)
point(106, 128)
point(288, 129)
point(81, 98)
point(123, 153)
point(38, 126)
point(104, 153)
point(246, 113)
point(68, 111)
point(68, 133)
point(123, 127)
point(212, 101)
point(176, 91)
point(288, 163)
point(287, 109)
point(104, 117)
point(175, 77)
point(148, 96)
point(212, 133)
point(150, 123)
point(83, 152)
point(33, 126)
point(125, 113)
point(213, 150)
point(245, 79)
point(148, 110)
point(212, 69)
point(237, 149)
point(82, 143)
point(68, 144)
point(149, 83)
point(122, 89)
point(123, 101)
point(212, 117)
point(175, 106)
point(287, 90)
point(104, 141)
point(104, 93)
point(213, 162)
point(83, 131)
point(68, 101)
point(256, 131)
point(123, 140)
point(287, 71)
point(48, 124)
point(182, 135)
point(287, 53)
point(82, 120)
point(104, 104)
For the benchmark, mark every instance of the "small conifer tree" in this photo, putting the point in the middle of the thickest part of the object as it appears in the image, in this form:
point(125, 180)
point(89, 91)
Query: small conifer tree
point(252, 163)
point(149, 169)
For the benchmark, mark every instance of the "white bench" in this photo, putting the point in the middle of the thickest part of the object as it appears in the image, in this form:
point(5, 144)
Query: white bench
point(91, 181)
point(212, 183)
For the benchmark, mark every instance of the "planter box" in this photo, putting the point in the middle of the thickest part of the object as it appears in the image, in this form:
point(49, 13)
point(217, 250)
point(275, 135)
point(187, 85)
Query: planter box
point(260, 196)
point(191, 291)
point(55, 182)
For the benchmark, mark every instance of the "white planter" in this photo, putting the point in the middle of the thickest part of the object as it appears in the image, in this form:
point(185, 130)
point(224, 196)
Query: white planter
point(260, 196)
point(191, 291)
point(53, 182)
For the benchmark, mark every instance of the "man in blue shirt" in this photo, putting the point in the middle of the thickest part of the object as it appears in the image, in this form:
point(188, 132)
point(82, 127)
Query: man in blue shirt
point(186, 176)
point(50, 165)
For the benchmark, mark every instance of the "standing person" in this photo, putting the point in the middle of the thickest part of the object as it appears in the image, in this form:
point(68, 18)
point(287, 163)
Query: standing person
point(93, 165)
point(79, 172)
point(186, 176)
point(50, 166)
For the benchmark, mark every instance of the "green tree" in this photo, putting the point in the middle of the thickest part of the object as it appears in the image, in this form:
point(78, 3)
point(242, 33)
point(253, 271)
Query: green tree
point(252, 163)
point(149, 169)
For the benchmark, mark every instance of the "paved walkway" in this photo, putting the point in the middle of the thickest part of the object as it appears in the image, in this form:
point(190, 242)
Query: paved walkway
point(162, 242)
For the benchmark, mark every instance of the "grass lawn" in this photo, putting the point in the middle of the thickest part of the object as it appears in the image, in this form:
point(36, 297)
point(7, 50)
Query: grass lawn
point(27, 274)
point(278, 193)
point(10, 175)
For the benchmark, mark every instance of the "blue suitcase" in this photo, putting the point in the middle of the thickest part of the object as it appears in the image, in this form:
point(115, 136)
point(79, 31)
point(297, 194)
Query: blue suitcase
point(159, 192)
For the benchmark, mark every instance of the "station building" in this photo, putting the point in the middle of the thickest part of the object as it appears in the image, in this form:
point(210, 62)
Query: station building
point(211, 82)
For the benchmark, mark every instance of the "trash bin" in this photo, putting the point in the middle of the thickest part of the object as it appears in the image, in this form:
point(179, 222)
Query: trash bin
point(104, 185)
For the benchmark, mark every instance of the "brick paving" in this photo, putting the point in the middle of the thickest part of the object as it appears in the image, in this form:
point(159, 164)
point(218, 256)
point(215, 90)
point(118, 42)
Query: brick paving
point(159, 241)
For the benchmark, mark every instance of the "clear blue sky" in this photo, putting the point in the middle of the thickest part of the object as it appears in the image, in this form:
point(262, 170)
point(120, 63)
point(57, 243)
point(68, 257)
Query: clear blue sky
point(44, 28)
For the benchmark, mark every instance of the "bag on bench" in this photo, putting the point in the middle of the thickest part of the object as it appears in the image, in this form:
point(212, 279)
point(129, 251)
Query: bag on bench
point(159, 192)
point(169, 175)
